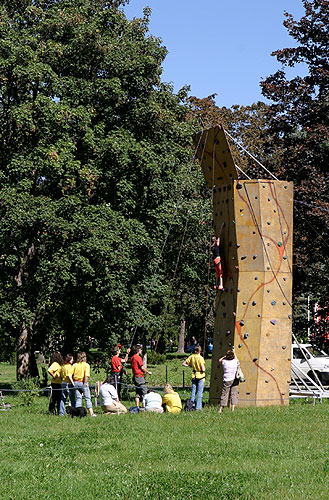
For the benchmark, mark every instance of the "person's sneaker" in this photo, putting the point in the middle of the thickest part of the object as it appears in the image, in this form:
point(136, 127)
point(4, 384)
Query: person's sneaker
point(93, 415)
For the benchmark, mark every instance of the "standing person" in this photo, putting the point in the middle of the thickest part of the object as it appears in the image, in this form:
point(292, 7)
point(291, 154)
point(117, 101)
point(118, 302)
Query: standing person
point(139, 371)
point(217, 264)
point(81, 374)
point(171, 401)
point(67, 383)
point(197, 363)
point(230, 365)
point(54, 370)
point(152, 401)
point(109, 398)
point(116, 367)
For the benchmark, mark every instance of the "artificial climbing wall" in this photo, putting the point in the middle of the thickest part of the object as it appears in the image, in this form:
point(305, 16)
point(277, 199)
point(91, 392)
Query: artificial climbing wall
point(254, 312)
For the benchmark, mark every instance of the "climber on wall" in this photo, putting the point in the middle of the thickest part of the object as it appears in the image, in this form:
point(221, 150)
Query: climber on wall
point(217, 263)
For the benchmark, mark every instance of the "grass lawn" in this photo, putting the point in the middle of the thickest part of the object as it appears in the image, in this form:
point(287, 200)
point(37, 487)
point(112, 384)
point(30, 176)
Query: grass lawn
point(270, 453)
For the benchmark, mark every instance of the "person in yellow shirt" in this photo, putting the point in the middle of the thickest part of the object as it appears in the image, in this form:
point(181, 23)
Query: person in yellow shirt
point(171, 401)
point(54, 371)
point(67, 383)
point(197, 363)
point(81, 374)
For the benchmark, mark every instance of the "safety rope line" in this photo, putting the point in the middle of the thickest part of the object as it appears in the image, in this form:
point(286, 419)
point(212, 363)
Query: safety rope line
point(251, 156)
point(150, 288)
point(312, 206)
point(279, 285)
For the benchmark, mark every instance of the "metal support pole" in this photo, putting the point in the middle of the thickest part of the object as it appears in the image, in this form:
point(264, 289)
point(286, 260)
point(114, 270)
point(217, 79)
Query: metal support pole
point(166, 374)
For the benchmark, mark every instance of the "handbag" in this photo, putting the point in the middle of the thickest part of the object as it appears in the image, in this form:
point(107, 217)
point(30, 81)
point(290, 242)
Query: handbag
point(239, 374)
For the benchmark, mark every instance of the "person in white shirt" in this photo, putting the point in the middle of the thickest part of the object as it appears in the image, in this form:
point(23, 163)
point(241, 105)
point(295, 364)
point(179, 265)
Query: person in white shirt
point(230, 365)
point(152, 401)
point(109, 398)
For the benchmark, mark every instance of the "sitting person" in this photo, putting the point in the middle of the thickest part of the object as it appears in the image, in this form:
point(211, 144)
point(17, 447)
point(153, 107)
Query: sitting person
point(171, 402)
point(109, 398)
point(152, 401)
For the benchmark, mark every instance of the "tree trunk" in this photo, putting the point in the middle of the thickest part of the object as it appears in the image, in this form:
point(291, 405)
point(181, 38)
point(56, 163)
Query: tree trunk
point(181, 338)
point(26, 363)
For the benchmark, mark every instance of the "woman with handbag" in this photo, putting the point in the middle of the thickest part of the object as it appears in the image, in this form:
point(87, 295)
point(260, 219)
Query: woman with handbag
point(230, 364)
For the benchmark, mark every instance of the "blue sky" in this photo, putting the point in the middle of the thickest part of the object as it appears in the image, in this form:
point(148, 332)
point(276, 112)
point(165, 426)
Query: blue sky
point(220, 47)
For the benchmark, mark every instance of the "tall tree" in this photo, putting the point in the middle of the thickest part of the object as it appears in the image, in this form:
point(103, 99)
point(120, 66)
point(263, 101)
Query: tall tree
point(94, 153)
point(299, 117)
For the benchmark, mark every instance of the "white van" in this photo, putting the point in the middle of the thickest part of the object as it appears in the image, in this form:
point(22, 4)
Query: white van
point(318, 360)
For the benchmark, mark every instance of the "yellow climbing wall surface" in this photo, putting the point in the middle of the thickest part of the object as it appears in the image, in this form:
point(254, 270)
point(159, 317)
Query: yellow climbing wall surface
point(253, 314)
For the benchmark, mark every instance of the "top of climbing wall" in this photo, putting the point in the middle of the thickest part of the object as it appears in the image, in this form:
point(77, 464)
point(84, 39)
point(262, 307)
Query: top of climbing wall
point(215, 156)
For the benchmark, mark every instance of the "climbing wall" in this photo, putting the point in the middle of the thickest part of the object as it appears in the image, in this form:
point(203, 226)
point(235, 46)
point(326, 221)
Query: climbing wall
point(253, 314)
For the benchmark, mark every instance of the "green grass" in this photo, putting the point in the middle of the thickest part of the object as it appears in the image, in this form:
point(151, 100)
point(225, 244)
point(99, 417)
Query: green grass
point(255, 453)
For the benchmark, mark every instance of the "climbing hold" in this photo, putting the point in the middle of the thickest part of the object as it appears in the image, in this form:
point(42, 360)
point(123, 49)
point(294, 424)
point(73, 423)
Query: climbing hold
point(236, 267)
point(239, 185)
point(269, 199)
point(268, 268)
point(284, 303)
point(254, 256)
point(266, 358)
point(268, 291)
point(273, 321)
point(241, 209)
point(239, 290)
point(266, 381)
point(238, 245)
point(272, 369)
point(224, 314)
point(246, 335)
point(244, 302)
point(240, 345)
point(259, 315)
point(279, 243)
point(269, 223)
point(284, 347)
point(253, 303)
point(284, 279)
point(255, 359)
point(273, 302)
point(241, 322)
point(243, 257)
point(289, 316)
point(228, 333)
point(234, 313)
point(256, 278)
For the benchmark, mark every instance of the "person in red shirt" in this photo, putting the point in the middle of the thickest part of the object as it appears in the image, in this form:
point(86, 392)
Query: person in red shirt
point(116, 367)
point(139, 371)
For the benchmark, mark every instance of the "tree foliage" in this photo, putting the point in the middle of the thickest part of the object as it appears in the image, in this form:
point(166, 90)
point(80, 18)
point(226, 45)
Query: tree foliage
point(94, 153)
point(299, 118)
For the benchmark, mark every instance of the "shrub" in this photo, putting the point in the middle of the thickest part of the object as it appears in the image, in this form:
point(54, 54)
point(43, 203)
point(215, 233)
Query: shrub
point(28, 390)
point(155, 358)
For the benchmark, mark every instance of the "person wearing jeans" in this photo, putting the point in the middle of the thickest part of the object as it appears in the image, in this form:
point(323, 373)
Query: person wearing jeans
point(197, 363)
point(67, 383)
point(81, 374)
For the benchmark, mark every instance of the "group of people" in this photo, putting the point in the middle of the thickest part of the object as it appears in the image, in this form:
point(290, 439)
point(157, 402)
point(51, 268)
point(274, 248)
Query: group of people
point(70, 379)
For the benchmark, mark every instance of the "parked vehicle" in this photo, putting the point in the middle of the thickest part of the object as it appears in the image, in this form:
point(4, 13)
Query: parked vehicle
point(317, 359)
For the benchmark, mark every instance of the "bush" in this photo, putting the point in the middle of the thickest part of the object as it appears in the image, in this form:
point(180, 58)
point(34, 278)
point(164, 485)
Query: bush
point(30, 390)
point(155, 358)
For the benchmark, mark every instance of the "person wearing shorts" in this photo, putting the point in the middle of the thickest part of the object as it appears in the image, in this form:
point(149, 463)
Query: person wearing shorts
point(139, 371)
